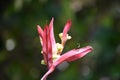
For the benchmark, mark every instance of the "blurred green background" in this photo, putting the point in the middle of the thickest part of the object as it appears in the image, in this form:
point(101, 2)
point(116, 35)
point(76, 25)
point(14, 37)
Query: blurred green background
point(94, 22)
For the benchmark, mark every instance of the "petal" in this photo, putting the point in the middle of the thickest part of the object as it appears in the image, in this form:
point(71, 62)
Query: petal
point(48, 72)
point(52, 38)
point(66, 28)
point(47, 46)
point(44, 47)
point(81, 52)
point(73, 55)
point(43, 42)
point(40, 32)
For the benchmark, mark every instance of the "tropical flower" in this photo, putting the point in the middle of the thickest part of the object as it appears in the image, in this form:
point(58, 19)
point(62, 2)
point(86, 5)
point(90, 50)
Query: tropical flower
point(52, 51)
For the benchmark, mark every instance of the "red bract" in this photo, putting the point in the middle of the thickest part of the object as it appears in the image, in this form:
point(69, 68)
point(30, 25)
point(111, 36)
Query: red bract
point(51, 50)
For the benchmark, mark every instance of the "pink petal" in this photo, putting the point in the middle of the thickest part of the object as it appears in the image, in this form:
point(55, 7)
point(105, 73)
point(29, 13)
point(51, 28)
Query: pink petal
point(49, 71)
point(73, 55)
point(44, 47)
point(40, 31)
point(52, 38)
point(43, 42)
point(47, 46)
point(81, 52)
point(66, 28)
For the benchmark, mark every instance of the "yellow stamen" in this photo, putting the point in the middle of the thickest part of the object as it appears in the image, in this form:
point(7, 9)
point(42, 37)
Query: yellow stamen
point(60, 35)
point(55, 57)
point(41, 40)
point(59, 48)
point(41, 52)
point(68, 37)
point(43, 62)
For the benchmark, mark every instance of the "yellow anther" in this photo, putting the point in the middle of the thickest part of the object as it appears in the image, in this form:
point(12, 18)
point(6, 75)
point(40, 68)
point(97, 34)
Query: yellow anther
point(41, 40)
point(41, 52)
point(43, 62)
point(68, 37)
point(55, 57)
point(60, 35)
point(59, 48)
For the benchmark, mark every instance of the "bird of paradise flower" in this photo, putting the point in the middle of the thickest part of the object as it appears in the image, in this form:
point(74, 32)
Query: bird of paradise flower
point(52, 51)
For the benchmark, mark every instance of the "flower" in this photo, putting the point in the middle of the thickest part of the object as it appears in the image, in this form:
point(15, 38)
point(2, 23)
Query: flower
point(52, 51)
